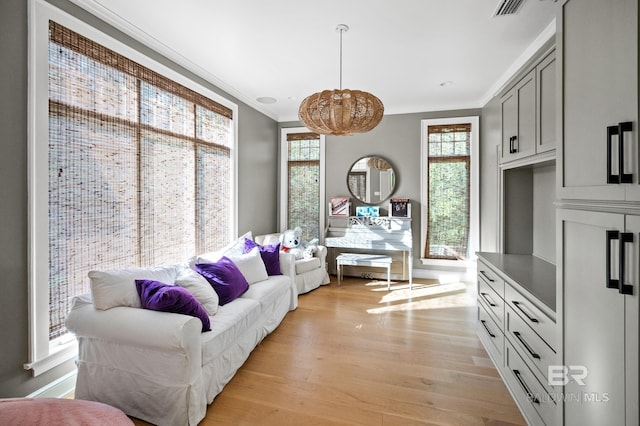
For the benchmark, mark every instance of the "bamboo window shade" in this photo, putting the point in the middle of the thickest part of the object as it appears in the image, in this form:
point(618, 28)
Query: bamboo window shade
point(140, 168)
point(448, 191)
point(303, 168)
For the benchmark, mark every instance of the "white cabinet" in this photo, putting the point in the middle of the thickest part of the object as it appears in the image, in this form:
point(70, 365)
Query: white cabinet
point(600, 324)
point(519, 119)
point(598, 41)
point(529, 113)
point(517, 327)
point(598, 223)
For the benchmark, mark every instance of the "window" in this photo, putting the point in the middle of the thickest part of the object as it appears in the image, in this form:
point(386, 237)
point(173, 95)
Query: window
point(302, 176)
point(140, 173)
point(449, 212)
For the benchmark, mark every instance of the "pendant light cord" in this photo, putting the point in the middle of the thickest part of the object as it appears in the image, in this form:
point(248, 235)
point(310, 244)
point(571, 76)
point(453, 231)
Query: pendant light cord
point(341, 31)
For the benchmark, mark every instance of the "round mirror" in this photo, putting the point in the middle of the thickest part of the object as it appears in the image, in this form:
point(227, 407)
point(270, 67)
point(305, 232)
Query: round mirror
point(371, 179)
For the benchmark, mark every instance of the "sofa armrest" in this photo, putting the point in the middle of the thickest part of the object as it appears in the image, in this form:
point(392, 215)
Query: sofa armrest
point(322, 254)
point(136, 327)
point(288, 265)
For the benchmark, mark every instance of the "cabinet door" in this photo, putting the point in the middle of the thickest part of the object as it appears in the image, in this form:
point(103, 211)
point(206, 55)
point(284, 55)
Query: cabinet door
point(593, 321)
point(546, 92)
point(519, 119)
point(598, 44)
point(509, 123)
point(526, 92)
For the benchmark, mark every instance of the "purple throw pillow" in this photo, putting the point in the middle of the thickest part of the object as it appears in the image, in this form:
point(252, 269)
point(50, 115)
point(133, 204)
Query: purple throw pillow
point(163, 297)
point(225, 278)
point(270, 255)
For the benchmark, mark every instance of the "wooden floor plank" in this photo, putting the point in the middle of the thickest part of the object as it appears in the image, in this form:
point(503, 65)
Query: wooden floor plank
point(358, 354)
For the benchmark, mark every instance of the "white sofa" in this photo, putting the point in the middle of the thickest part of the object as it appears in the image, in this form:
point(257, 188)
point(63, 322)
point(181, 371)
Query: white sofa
point(160, 367)
point(309, 274)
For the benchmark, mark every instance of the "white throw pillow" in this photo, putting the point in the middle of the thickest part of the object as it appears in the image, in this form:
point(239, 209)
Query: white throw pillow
point(118, 287)
point(234, 248)
point(250, 265)
point(200, 288)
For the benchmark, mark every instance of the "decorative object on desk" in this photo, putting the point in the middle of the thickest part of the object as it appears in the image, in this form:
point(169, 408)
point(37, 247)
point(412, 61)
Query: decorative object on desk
point(400, 207)
point(339, 206)
point(368, 221)
point(371, 179)
point(341, 112)
point(370, 211)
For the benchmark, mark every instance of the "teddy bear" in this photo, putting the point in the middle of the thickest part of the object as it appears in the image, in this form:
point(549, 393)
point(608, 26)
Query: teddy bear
point(291, 241)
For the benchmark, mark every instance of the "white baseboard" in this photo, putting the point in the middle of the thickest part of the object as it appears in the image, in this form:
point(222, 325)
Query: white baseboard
point(465, 275)
point(60, 388)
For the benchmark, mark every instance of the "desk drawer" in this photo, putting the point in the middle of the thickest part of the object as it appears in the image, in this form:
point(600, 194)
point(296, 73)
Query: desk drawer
point(491, 299)
point(491, 277)
point(537, 404)
point(531, 346)
point(491, 335)
point(544, 326)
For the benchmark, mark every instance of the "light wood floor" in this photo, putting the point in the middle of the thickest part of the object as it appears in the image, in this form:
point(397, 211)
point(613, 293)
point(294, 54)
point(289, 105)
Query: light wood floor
point(359, 355)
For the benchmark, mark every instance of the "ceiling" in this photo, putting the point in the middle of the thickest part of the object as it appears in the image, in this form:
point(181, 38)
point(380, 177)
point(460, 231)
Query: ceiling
point(402, 51)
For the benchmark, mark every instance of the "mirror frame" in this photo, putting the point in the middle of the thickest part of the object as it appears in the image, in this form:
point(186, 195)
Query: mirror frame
point(391, 191)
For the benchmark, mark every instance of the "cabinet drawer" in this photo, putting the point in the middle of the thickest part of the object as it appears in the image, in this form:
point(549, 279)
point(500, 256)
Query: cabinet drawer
point(533, 398)
point(490, 335)
point(491, 277)
point(531, 346)
point(491, 299)
point(544, 326)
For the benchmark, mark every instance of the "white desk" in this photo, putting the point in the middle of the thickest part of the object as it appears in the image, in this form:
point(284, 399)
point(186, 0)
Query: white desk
point(358, 259)
point(383, 236)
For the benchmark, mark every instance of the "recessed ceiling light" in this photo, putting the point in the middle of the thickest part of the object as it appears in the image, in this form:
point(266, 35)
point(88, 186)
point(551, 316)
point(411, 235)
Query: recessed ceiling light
point(292, 98)
point(446, 83)
point(267, 100)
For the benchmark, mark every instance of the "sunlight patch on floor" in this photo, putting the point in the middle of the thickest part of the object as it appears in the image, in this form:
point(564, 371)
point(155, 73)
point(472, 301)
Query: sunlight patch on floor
point(422, 297)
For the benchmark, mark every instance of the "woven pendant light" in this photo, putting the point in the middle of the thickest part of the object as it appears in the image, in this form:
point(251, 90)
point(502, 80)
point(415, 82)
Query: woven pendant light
point(341, 112)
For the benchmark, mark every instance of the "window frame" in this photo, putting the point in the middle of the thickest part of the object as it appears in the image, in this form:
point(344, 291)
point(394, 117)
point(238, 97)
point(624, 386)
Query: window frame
point(474, 210)
point(44, 354)
point(284, 183)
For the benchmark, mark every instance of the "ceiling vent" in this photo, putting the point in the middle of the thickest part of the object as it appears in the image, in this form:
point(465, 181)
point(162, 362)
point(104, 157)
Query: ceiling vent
point(508, 7)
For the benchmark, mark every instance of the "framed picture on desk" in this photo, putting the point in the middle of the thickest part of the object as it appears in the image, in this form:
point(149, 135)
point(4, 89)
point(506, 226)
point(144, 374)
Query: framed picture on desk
point(339, 206)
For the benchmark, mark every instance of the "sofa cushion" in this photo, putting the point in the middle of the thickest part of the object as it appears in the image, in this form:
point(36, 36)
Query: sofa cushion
point(270, 255)
point(118, 288)
point(158, 296)
point(230, 323)
point(268, 290)
point(225, 278)
point(197, 285)
point(250, 265)
point(305, 265)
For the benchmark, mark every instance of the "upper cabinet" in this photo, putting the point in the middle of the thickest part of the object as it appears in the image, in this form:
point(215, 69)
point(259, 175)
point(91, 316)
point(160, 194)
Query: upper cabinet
point(529, 113)
point(598, 119)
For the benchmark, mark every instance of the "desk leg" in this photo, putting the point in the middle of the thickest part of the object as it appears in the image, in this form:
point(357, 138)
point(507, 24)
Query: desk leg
point(339, 271)
point(388, 277)
point(410, 270)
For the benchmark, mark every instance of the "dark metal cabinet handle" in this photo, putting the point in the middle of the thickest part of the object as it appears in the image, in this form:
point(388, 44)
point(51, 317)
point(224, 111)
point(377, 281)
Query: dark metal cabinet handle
point(515, 147)
point(611, 131)
point(486, 299)
point(529, 317)
point(618, 130)
point(484, 323)
point(622, 128)
point(530, 395)
point(487, 276)
point(625, 238)
point(611, 236)
point(526, 345)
